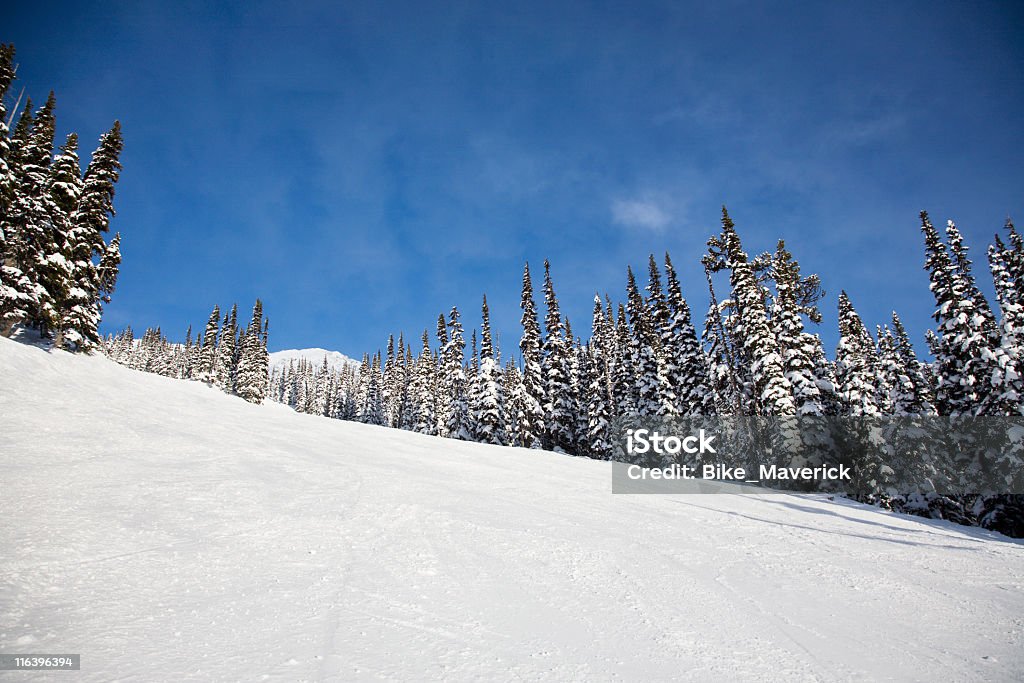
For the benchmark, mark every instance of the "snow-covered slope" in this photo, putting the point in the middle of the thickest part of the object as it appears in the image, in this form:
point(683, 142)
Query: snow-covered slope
point(315, 356)
point(167, 531)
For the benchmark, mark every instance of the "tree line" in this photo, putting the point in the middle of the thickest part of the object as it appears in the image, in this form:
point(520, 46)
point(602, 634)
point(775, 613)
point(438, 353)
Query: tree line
point(755, 354)
point(231, 358)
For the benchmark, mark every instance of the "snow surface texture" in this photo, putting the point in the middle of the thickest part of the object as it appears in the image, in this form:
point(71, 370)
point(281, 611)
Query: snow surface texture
point(335, 360)
point(169, 532)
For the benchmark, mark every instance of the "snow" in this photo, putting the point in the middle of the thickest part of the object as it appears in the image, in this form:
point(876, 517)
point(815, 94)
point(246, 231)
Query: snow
point(167, 531)
point(335, 360)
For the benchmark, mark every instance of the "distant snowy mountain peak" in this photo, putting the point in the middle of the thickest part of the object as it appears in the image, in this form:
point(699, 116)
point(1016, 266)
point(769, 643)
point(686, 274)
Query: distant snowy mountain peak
point(315, 356)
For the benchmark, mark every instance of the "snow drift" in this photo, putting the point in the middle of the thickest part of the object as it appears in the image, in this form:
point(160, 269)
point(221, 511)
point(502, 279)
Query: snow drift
point(167, 531)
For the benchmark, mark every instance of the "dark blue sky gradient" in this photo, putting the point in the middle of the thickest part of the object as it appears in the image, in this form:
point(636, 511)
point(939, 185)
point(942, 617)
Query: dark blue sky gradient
point(363, 167)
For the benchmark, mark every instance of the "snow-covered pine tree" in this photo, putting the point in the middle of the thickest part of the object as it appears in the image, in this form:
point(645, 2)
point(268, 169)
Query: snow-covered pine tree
point(207, 362)
point(857, 363)
point(374, 411)
point(71, 270)
point(796, 297)
point(94, 262)
point(389, 388)
point(253, 364)
point(399, 386)
point(362, 389)
point(225, 366)
point(453, 379)
point(1004, 262)
point(858, 372)
point(961, 335)
point(17, 292)
point(643, 351)
point(422, 393)
point(320, 388)
point(689, 374)
point(7, 76)
point(579, 385)
point(331, 394)
point(107, 270)
point(512, 401)
point(772, 392)
point(597, 442)
point(623, 375)
point(581, 371)
point(558, 413)
point(993, 374)
point(47, 228)
point(30, 240)
point(443, 399)
point(909, 387)
point(487, 413)
point(659, 321)
point(530, 422)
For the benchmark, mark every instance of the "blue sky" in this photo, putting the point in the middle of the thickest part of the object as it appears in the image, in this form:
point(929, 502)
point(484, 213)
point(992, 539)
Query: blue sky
point(364, 166)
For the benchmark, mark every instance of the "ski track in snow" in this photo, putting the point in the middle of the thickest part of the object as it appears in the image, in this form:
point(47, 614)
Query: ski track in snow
point(168, 532)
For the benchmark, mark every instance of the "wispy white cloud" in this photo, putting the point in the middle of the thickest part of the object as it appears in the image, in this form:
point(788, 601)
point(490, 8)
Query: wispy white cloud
point(644, 214)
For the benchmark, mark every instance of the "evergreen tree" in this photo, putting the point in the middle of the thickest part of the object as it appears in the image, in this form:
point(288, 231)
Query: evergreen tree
point(1005, 265)
point(7, 181)
point(687, 362)
point(422, 391)
point(70, 271)
point(796, 297)
point(206, 368)
point(643, 351)
point(558, 412)
point(964, 341)
point(225, 366)
point(599, 400)
point(910, 391)
point(512, 402)
point(18, 293)
point(659, 320)
point(857, 363)
point(487, 414)
point(772, 392)
point(530, 422)
point(373, 412)
point(453, 379)
point(253, 364)
point(623, 375)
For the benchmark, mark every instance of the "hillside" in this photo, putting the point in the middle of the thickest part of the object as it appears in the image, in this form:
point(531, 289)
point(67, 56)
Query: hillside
point(167, 531)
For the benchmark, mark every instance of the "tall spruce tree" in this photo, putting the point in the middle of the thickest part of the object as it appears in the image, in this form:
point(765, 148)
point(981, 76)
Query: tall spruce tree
point(71, 270)
point(253, 364)
point(206, 367)
point(772, 392)
point(18, 292)
point(558, 411)
point(796, 297)
point(643, 351)
point(453, 379)
point(487, 413)
point(597, 442)
point(857, 363)
point(422, 391)
point(679, 340)
point(226, 364)
point(530, 422)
